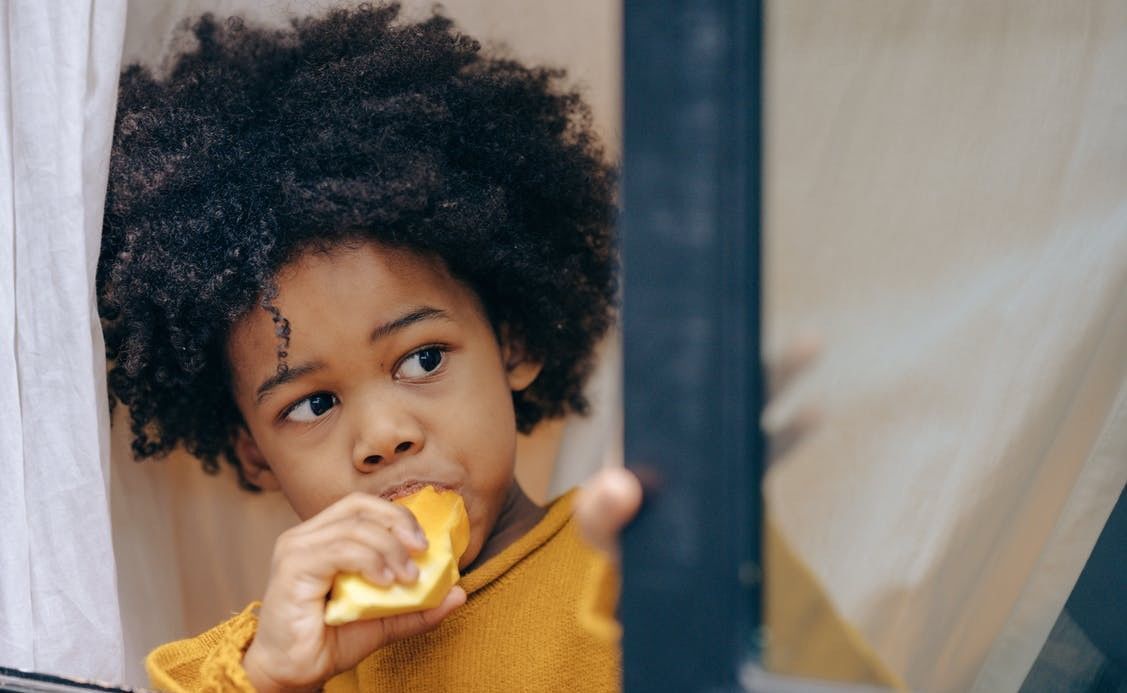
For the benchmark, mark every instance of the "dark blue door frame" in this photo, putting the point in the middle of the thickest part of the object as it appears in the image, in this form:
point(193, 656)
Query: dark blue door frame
point(691, 319)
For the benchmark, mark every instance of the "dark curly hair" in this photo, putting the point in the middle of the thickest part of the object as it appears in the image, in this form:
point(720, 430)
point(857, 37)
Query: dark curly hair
point(259, 143)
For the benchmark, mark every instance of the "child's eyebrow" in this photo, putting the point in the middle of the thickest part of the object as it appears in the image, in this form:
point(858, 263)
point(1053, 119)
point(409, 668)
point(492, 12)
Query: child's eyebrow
point(283, 377)
point(416, 315)
point(290, 374)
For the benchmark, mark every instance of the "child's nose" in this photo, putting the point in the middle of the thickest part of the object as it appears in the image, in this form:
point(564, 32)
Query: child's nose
point(385, 438)
point(400, 450)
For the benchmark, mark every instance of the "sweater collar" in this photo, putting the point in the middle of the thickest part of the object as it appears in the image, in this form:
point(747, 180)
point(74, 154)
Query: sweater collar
point(559, 512)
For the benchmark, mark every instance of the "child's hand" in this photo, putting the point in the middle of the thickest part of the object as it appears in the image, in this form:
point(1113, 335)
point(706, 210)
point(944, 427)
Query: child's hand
point(605, 504)
point(785, 427)
point(611, 498)
point(293, 648)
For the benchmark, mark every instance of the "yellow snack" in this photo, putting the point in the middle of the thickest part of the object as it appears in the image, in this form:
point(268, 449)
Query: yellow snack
point(442, 515)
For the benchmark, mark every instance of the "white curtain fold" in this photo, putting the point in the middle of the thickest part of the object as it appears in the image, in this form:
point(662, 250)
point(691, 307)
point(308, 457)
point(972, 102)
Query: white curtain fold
point(58, 596)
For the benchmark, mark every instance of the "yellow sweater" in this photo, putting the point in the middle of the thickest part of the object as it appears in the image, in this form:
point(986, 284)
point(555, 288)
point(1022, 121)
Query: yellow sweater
point(538, 617)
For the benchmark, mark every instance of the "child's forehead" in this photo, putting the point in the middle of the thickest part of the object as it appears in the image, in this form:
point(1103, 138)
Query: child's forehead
point(346, 291)
point(337, 276)
point(365, 280)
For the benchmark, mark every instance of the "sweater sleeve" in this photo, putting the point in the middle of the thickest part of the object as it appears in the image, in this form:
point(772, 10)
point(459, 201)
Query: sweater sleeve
point(208, 662)
point(599, 600)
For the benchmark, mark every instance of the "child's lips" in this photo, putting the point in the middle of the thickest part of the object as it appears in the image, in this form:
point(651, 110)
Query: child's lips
point(409, 487)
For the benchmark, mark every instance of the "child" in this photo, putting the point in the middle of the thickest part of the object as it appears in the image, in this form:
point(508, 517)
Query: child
point(350, 260)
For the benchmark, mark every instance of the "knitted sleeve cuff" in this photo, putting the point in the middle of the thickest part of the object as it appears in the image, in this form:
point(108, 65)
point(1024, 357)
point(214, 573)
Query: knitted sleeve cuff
point(222, 669)
point(211, 661)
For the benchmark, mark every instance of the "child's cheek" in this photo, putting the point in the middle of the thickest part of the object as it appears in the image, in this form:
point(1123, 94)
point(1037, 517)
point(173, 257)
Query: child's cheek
point(478, 536)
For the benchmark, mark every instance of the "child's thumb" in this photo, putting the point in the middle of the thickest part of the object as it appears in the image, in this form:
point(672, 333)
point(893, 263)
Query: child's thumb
point(605, 504)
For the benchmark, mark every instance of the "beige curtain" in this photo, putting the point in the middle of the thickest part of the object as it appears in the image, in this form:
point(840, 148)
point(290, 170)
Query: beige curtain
point(946, 202)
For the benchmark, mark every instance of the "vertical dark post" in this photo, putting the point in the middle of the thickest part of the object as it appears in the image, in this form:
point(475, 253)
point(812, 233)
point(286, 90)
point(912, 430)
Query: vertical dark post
point(693, 383)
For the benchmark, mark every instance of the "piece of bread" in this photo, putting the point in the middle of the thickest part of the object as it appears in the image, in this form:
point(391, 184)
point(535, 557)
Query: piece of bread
point(442, 515)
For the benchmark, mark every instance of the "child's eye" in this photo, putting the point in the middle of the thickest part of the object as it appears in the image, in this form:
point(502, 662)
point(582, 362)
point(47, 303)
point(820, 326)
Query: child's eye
point(421, 363)
point(311, 408)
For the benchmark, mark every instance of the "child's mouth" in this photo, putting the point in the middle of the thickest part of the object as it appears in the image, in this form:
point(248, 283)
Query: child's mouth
point(409, 487)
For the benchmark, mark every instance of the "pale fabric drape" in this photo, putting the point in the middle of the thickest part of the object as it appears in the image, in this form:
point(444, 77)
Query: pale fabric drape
point(947, 201)
point(58, 80)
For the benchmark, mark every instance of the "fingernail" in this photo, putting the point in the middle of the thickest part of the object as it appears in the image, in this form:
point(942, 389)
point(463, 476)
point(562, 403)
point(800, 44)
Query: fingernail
point(387, 575)
point(412, 571)
point(421, 537)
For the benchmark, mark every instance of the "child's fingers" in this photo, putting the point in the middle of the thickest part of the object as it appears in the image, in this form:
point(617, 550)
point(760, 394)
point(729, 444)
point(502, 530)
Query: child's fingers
point(309, 561)
point(369, 508)
point(796, 358)
point(786, 435)
point(605, 504)
point(786, 420)
point(347, 555)
point(389, 549)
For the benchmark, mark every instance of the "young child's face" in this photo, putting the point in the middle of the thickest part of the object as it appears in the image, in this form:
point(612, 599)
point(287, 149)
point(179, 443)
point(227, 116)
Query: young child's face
point(394, 379)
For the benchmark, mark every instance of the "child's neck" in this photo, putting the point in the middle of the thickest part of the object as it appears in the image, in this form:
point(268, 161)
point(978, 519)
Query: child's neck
point(518, 515)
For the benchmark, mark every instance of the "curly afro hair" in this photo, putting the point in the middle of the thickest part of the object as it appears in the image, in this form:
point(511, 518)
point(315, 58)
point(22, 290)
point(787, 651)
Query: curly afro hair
point(261, 143)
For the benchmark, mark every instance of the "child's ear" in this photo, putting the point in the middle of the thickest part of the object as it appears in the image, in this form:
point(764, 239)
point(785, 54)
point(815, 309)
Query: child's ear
point(256, 469)
point(520, 370)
